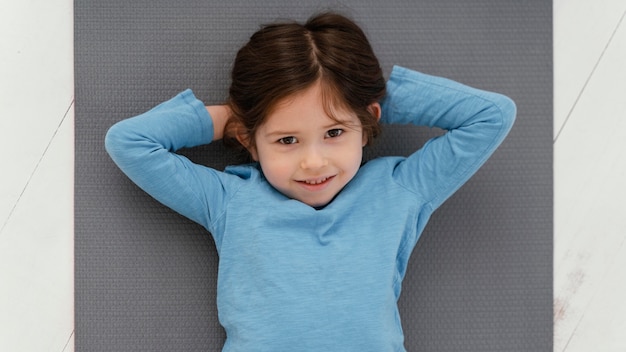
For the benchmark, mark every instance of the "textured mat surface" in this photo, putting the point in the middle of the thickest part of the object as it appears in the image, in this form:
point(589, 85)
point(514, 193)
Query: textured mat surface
point(480, 279)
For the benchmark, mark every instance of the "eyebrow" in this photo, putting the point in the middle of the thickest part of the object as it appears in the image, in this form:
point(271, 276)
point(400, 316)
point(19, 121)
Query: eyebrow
point(337, 123)
point(280, 133)
point(292, 133)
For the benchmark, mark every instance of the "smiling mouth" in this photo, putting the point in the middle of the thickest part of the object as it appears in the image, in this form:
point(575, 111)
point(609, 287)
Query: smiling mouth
point(316, 181)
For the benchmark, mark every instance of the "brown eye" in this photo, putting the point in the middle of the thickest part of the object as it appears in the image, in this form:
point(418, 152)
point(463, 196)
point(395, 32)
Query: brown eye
point(288, 140)
point(336, 132)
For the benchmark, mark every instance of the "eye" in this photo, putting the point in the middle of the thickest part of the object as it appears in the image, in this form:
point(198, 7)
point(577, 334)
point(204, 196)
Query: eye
point(335, 132)
point(288, 140)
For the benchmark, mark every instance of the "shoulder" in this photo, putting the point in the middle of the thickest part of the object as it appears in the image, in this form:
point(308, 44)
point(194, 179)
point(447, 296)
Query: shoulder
point(383, 164)
point(247, 178)
point(379, 171)
point(249, 172)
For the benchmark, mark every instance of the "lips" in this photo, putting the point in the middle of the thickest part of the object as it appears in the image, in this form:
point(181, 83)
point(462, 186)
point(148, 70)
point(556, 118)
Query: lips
point(315, 184)
point(316, 181)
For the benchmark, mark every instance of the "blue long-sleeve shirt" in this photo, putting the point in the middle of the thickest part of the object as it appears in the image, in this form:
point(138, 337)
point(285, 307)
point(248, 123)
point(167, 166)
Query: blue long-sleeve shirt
point(295, 278)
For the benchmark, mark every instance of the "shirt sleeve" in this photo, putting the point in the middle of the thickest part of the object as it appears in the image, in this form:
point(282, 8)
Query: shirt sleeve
point(143, 148)
point(476, 122)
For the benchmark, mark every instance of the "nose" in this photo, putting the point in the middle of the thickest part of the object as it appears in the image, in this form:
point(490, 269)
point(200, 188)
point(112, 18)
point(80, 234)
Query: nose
point(313, 158)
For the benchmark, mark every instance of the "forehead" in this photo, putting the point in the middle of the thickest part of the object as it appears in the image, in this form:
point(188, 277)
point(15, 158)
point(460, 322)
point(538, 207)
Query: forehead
point(309, 108)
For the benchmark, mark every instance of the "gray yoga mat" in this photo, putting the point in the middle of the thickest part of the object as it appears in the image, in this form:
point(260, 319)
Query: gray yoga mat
point(480, 278)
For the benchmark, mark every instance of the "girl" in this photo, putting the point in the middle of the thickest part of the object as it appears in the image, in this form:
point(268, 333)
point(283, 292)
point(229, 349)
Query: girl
point(313, 245)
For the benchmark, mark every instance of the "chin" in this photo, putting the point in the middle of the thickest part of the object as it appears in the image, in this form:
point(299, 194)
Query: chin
point(317, 203)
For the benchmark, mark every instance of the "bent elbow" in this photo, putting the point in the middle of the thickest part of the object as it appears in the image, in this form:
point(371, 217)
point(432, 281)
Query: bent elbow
point(508, 110)
point(113, 139)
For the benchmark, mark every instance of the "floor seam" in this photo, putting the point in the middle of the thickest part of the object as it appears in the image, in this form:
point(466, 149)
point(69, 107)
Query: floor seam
point(68, 342)
point(589, 77)
point(30, 177)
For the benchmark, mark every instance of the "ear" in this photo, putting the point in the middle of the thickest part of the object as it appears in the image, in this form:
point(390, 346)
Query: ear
point(375, 110)
point(244, 139)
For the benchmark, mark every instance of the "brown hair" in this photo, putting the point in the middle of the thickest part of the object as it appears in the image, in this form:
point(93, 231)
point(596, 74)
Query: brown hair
point(282, 59)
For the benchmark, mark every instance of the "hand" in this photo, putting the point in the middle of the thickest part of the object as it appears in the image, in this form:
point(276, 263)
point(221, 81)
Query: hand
point(220, 115)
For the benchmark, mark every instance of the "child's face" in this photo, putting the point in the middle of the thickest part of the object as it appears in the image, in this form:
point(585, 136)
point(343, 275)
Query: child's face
point(304, 153)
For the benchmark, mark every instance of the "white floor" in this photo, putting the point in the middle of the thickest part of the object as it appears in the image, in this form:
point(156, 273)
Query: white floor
point(36, 181)
point(590, 174)
point(36, 186)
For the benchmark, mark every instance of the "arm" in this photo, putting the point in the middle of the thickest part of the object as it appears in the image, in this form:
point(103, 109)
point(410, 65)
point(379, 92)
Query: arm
point(476, 121)
point(143, 148)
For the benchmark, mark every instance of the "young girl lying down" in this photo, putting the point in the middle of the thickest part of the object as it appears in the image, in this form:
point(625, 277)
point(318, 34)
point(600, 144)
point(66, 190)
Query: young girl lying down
point(313, 245)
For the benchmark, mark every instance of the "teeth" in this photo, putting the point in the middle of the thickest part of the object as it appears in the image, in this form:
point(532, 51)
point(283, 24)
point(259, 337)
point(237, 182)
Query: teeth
point(316, 182)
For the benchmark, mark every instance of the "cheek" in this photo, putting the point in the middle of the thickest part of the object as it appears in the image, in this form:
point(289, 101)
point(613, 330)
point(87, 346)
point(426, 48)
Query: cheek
point(358, 158)
point(351, 159)
point(276, 168)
